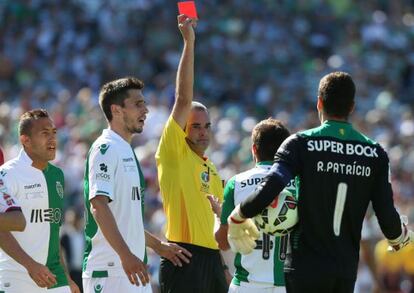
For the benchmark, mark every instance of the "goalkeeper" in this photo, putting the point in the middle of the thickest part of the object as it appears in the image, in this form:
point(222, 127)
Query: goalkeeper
point(340, 171)
point(261, 270)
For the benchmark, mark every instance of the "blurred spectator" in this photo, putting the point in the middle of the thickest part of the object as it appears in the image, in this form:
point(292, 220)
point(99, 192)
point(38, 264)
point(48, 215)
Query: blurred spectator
point(73, 243)
point(1, 157)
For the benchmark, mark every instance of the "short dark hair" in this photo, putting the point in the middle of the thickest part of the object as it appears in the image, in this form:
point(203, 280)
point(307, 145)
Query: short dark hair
point(115, 93)
point(337, 91)
point(26, 120)
point(267, 136)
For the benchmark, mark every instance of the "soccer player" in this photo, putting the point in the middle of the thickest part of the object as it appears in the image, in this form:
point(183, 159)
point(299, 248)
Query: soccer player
point(262, 270)
point(115, 256)
point(340, 171)
point(31, 261)
point(186, 177)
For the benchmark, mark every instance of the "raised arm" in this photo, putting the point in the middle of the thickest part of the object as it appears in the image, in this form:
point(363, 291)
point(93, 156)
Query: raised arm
point(185, 72)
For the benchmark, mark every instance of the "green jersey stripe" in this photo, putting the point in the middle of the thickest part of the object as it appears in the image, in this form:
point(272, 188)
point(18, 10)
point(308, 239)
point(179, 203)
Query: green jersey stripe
point(91, 227)
point(55, 180)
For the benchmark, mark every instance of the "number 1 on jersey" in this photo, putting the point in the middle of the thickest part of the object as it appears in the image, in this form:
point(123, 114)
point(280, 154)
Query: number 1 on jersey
point(339, 207)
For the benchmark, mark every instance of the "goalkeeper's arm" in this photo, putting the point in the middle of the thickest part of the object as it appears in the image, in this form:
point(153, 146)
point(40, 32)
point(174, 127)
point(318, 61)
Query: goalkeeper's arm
point(404, 239)
point(278, 177)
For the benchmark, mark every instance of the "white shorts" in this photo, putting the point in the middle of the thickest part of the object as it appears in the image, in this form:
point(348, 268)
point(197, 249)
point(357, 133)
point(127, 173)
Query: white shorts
point(21, 282)
point(111, 285)
point(240, 289)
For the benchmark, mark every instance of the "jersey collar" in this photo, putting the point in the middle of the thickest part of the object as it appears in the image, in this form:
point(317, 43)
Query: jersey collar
point(112, 134)
point(336, 122)
point(264, 163)
point(24, 158)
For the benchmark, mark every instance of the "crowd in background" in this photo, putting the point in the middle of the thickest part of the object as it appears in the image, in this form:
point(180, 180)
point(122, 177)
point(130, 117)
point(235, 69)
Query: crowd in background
point(254, 59)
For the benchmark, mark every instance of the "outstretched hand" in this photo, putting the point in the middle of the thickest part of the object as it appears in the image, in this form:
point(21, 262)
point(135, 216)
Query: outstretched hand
point(215, 204)
point(186, 26)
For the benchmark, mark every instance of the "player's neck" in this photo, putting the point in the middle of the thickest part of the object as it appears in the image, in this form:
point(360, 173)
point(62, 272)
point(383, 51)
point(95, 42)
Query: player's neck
point(324, 117)
point(38, 163)
point(121, 131)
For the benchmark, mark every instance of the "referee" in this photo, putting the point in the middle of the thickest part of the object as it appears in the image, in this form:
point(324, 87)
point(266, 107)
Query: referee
point(340, 171)
point(186, 177)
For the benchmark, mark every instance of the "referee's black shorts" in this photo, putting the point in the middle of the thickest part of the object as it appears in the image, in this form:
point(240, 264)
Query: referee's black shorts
point(204, 273)
point(318, 284)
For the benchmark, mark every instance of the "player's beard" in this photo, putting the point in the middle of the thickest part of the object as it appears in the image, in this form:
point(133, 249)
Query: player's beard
point(133, 130)
point(130, 127)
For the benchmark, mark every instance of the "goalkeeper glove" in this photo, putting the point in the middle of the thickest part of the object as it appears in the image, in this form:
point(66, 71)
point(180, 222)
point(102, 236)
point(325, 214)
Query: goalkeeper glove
point(242, 232)
point(404, 239)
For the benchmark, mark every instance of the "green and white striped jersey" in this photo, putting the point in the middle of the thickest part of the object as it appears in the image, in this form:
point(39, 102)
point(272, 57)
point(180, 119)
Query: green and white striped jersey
point(112, 170)
point(264, 266)
point(40, 195)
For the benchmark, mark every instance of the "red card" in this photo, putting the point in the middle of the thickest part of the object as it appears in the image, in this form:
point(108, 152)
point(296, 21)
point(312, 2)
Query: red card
point(188, 8)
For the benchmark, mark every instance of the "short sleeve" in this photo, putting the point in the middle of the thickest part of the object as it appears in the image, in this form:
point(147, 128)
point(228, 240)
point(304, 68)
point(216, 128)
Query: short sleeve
point(172, 144)
point(228, 203)
point(7, 201)
point(102, 165)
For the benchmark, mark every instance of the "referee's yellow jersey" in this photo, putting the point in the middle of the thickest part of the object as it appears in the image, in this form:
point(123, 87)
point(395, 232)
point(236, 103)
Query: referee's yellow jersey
point(185, 181)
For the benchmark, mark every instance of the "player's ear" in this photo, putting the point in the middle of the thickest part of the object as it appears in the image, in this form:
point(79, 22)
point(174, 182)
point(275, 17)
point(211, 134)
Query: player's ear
point(319, 104)
point(352, 108)
point(115, 110)
point(254, 150)
point(24, 139)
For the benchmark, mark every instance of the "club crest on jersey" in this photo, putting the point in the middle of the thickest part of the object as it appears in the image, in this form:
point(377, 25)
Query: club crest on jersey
point(98, 288)
point(59, 189)
point(103, 148)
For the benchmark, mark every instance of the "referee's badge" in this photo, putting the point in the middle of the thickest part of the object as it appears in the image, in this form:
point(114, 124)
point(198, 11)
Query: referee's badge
point(205, 179)
point(59, 189)
point(205, 176)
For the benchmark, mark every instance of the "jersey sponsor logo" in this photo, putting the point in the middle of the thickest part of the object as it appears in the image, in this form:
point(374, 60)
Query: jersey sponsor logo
point(103, 176)
point(126, 160)
point(53, 215)
point(136, 193)
point(342, 168)
point(103, 148)
point(103, 167)
point(342, 148)
point(250, 182)
point(59, 189)
point(32, 186)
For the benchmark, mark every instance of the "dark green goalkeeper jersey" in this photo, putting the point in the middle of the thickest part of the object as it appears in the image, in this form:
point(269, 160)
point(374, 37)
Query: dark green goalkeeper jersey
point(339, 171)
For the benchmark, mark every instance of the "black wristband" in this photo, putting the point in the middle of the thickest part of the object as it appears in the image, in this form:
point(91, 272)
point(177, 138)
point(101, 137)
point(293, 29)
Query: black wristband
point(225, 267)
